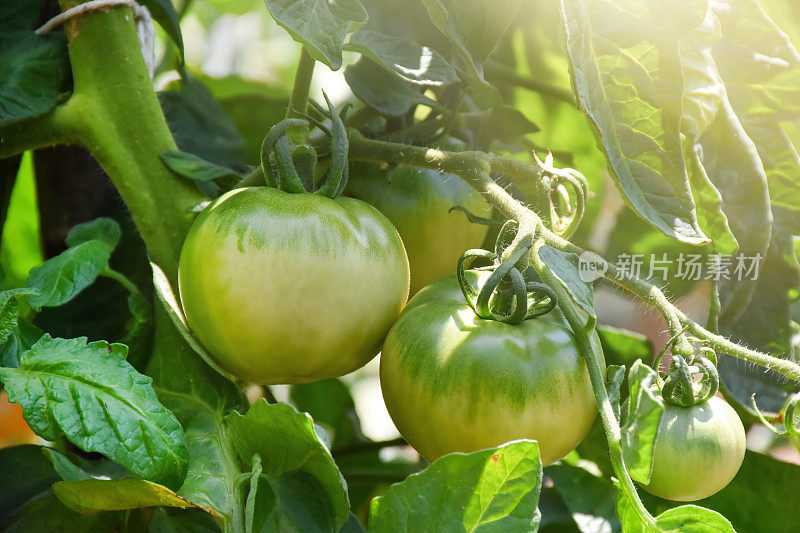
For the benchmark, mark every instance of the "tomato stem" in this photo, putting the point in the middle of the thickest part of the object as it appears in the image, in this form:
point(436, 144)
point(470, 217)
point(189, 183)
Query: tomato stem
point(581, 327)
point(298, 101)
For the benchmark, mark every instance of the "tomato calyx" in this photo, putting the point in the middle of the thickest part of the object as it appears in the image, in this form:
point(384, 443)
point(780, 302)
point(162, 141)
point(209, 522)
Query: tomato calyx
point(681, 389)
point(291, 167)
point(554, 201)
point(513, 292)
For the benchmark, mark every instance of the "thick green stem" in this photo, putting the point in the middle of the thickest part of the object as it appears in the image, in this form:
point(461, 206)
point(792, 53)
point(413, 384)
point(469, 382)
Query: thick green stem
point(115, 113)
point(298, 102)
point(582, 327)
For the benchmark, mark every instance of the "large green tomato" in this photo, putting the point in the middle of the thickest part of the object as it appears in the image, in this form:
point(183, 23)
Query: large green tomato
point(453, 382)
point(289, 288)
point(417, 201)
point(697, 450)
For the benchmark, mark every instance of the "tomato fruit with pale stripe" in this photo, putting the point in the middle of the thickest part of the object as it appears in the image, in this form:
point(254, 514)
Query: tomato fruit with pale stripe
point(291, 288)
point(454, 382)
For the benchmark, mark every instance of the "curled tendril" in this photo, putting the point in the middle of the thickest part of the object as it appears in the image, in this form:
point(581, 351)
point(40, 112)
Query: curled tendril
point(506, 296)
point(555, 185)
point(681, 389)
point(283, 175)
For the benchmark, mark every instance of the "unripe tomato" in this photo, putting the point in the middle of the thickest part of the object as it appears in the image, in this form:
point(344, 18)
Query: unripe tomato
point(697, 450)
point(290, 288)
point(453, 382)
point(418, 203)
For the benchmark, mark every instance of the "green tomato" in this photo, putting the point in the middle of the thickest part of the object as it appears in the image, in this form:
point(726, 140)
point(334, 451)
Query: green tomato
point(418, 203)
point(290, 288)
point(453, 382)
point(697, 450)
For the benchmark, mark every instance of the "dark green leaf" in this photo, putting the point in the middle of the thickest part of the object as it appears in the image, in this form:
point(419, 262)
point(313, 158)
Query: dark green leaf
point(194, 167)
point(353, 525)
point(330, 404)
point(25, 475)
point(200, 125)
point(33, 74)
point(385, 92)
point(321, 26)
point(590, 498)
point(91, 395)
point(287, 442)
point(473, 27)
point(627, 72)
point(291, 501)
point(19, 341)
point(565, 267)
point(19, 16)
point(496, 489)
point(414, 63)
point(164, 13)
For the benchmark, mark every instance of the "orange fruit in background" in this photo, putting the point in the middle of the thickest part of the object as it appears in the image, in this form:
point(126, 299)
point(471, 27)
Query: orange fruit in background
point(13, 428)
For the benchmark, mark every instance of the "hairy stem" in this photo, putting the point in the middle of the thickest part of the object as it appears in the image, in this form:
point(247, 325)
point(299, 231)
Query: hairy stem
point(582, 328)
point(474, 168)
point(114, 112)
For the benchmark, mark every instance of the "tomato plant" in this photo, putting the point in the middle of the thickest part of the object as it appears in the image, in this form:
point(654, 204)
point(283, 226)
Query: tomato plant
point(208, 234)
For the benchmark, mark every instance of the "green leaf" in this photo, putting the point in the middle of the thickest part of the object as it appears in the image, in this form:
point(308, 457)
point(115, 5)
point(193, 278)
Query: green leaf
point(291, 501)
point(164, 13)
point(330, 404)
point(495, 489)
point(627, 72)
point(473, 27)
point(615, 377)
point(105, 230)
point(200, 125)
point(693, 519)
point(92, 396)
point(290, 447)
point(9, 313)
point(319, 25)
point(59, 279)
point(565, 267)
point(201, 399)
point(766, 322)
point(93, 495)
point(410, 61)
point(589, 497)
point(18, 342)
point(385, 92)
point(194, 167)
point(761, 483)
point(623, 347)
point(501, 123)
point(645, 407)
point(33, 74)
point(19, 16)
point(683, 519)
point(26, 475)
